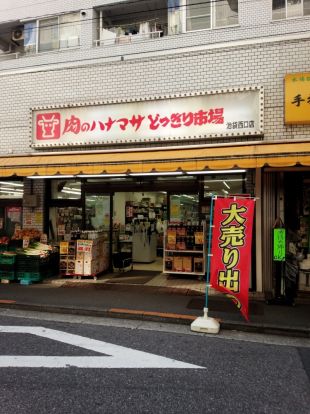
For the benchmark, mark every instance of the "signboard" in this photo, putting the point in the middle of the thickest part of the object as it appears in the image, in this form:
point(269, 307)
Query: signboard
point(230, 113)
point(279, 244)
point(230, 263)
point(297, 98)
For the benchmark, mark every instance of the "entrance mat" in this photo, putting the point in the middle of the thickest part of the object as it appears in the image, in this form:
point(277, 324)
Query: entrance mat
point(137, 273)
point(223, 306)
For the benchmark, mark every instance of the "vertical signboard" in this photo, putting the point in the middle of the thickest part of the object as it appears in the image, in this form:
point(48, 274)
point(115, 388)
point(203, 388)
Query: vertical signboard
point(231, 249)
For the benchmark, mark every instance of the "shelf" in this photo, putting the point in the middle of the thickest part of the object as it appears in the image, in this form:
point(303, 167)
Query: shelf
point(184, 251)
point(184, 273)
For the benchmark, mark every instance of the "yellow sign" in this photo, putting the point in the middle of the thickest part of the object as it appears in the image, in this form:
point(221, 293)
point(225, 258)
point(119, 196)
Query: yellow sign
point(297, 98)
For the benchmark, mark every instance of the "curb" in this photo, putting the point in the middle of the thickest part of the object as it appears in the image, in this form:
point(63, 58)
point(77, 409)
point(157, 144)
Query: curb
point(160, 317)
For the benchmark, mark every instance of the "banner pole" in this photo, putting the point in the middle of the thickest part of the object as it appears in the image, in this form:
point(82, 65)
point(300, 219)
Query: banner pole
point(205, 323)
point(209, 252)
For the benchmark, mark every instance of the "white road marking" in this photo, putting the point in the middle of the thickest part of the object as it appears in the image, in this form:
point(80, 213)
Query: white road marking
point(118, 356)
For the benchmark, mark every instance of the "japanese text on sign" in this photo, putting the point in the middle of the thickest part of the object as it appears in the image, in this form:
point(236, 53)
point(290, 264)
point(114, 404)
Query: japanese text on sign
point(186, 117)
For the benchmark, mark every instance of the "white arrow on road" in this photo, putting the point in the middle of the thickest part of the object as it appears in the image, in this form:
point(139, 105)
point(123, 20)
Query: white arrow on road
point(116, 356)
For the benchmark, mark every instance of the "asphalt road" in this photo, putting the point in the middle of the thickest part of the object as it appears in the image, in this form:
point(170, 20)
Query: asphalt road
point(232, 372)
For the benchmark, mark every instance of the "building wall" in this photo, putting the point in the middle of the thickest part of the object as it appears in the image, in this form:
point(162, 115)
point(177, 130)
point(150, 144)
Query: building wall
point(261, 64)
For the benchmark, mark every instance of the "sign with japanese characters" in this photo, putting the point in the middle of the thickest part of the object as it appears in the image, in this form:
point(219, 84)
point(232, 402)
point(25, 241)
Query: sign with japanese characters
point(202, 115)
point(297, 98)
point(279, 244)
point(231, 249)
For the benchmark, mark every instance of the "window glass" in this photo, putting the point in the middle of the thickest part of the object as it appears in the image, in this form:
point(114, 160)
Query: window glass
point(69, 30)
point(11, 189)
point(198, 15)
point(30, 35)
point(184, 208)
point(294, 8)
point(282, 9)
point(226, 13)
point(66, 189)
point(48, 34)
point(223, 185)
point(97, 212)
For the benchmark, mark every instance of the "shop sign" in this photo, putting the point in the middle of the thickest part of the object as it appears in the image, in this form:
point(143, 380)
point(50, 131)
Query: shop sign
point(279, 244)
point(226, 113)
point(297, 98)
point(230, 262)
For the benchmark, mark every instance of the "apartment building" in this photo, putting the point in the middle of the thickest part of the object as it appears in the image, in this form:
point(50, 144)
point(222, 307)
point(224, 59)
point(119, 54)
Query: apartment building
point(110, 108)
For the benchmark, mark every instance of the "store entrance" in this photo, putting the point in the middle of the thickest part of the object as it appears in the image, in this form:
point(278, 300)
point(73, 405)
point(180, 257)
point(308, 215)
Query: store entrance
point(138, 228)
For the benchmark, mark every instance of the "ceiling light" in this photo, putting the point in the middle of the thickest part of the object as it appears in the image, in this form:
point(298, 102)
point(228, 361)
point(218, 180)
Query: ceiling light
point(39, 177)
point(226, 185)
point(101, 175)
point(155, 173)
point(215, 172)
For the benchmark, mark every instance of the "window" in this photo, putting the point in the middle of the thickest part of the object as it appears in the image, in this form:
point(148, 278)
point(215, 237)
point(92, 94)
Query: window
point(206, 14)
point(54, 33)
point(11, 189)
point(284, 9)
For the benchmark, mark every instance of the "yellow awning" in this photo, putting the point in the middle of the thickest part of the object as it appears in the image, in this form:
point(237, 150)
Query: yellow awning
point(254, 155)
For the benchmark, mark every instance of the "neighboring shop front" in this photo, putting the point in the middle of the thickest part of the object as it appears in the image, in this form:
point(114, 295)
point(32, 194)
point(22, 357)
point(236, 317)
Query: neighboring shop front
point(286, 199)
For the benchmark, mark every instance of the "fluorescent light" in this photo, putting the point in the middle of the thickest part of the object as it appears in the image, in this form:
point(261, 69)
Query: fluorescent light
point(101, 175)
point(13, 184)
point(156, 173)
point(226, 185)
point(216, 172)
point(39, 177)
point(225, 191)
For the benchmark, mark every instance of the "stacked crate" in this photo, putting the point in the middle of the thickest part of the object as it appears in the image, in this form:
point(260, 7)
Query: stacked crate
point(32, 268)
point(67, 251)
point(7, 266)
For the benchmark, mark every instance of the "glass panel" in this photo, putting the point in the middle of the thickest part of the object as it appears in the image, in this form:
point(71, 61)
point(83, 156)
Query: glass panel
point(12, 220)
point(30, 37)
point(226, 13)
point(223, 185)
point(306, 7)
point(48, 34)
point(69, 30)
point(63, 221)
point(184, 208)
point(11, 189)
point(66, 189)
point(198, 15)
point(97, 212)
point(278, 9)
point(294, 8)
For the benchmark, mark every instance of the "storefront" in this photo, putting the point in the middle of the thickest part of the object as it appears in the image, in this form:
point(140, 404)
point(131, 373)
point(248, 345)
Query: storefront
point(148, 166)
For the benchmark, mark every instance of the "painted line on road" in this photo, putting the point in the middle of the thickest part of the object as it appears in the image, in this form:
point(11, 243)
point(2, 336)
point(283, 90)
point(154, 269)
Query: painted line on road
point(118, 356)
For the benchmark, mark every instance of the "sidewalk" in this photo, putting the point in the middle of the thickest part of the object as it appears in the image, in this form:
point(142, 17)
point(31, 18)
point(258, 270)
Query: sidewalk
point(181, 304)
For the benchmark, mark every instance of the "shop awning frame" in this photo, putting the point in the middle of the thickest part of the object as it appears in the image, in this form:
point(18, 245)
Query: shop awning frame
point(192, 158)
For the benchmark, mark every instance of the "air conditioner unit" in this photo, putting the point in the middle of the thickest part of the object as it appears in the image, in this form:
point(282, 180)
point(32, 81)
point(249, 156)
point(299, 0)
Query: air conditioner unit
point(18, 34)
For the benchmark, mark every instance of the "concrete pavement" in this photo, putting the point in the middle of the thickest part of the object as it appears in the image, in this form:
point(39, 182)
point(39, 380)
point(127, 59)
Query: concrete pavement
point(161, 304)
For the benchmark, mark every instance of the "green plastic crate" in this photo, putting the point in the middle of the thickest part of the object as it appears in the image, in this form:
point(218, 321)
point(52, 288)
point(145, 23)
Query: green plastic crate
point(7, 259)
point(8, 275)
point(34, 276)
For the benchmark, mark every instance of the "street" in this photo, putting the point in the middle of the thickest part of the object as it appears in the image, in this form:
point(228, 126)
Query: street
point(47, 366)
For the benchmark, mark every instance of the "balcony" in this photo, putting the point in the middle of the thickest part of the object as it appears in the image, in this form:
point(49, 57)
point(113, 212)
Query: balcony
point(123, 23)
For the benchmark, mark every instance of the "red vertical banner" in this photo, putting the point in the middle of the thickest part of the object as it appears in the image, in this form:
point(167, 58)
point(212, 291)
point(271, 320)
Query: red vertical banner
point(230, 263)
